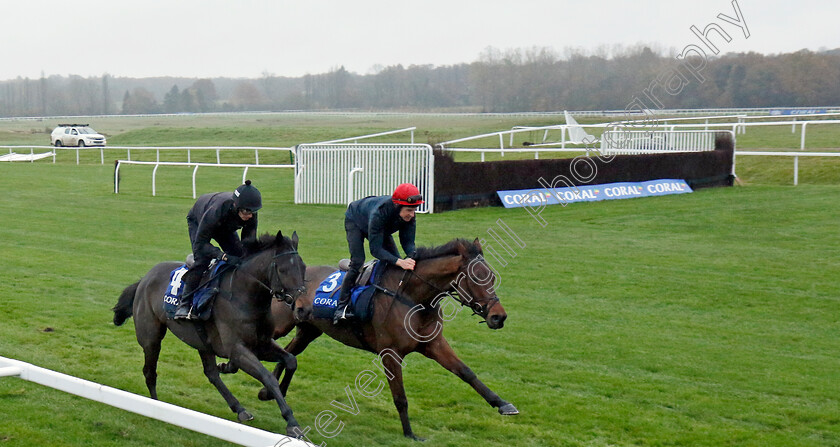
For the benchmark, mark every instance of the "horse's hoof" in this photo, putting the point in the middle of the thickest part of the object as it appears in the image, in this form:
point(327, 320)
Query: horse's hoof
point(508, 410)
point(244, 416)
point(294, 431)
point(263, 395)
point(227, 368)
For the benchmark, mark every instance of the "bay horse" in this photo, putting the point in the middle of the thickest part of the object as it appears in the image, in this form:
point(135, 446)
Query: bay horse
point(240, 327)
point(407, 317)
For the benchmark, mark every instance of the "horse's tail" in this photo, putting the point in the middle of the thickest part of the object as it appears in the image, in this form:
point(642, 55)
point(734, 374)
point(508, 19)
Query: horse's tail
point(123, 310)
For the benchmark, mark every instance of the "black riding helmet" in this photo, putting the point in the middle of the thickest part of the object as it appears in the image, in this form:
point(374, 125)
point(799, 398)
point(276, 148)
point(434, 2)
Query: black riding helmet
point(247, 197)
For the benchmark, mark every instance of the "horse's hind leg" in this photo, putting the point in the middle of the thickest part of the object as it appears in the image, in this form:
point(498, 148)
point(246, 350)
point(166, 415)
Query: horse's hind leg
point(303, 336)
point(286, 362)
point(208, 359)
point(149, 339)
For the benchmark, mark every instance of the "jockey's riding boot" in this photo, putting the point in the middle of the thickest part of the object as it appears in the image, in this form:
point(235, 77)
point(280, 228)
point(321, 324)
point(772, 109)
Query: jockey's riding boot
point(190, 279)
point(342, 309)
point(183, 312)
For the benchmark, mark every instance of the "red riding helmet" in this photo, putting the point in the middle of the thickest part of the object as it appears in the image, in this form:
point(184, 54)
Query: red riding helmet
point(408, 195)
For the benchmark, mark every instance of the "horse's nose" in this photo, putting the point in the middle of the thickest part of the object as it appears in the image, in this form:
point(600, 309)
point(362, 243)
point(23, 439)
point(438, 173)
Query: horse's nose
point(496, 321)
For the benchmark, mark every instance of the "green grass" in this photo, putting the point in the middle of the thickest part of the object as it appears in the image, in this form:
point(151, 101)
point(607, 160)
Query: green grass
point(701, 319)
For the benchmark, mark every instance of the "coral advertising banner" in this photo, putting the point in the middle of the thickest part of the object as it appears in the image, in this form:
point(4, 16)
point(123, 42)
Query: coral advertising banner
point(592, 193)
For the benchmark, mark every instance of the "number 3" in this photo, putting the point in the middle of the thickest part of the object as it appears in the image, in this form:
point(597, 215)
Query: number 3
point(333, 279)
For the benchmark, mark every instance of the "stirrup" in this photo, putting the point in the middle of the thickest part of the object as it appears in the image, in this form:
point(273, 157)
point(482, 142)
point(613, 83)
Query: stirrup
point(346, 314)
point(188, 316)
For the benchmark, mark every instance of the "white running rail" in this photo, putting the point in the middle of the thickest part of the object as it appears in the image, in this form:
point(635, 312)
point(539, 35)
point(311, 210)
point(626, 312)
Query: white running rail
point(192, 420)
point(158, 164)
point(617, 142)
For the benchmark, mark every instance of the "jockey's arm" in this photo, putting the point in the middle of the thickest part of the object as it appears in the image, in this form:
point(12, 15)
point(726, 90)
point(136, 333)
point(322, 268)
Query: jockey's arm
point(407, 238)
point(201, 245)
point(376, 237)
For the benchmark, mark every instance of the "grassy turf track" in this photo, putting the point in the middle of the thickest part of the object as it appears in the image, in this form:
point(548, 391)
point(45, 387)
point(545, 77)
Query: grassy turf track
point(701, 319)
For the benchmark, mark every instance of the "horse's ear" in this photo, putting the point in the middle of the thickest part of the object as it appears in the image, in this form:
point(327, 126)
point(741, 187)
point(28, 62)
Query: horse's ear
point(279, 236)
point(462, 249)
point(477, 243)
point(295, 239)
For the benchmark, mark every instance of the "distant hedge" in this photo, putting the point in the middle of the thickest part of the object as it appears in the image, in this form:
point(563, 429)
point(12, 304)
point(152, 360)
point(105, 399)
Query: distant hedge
point(474, 184)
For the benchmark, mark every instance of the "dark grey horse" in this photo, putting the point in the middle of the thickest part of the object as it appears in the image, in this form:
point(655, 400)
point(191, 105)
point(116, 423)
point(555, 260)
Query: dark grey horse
point(240, 328)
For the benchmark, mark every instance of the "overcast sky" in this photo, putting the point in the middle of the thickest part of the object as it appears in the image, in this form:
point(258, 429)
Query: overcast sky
point(247, 38)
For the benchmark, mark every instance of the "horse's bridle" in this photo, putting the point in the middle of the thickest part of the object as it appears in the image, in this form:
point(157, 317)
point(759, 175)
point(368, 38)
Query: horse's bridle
point(482, 310)
point(283, 294)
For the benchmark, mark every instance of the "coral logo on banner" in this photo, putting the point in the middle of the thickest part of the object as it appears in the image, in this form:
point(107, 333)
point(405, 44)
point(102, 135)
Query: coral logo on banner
point(592, 193)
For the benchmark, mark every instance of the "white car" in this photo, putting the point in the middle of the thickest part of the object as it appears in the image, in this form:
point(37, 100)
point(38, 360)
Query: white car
point(80, 135)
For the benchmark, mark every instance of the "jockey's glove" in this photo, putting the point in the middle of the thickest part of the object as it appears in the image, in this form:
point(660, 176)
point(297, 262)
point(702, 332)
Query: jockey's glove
point(232, 260)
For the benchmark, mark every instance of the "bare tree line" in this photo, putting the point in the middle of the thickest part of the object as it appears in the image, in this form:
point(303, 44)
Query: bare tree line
point(534, 79)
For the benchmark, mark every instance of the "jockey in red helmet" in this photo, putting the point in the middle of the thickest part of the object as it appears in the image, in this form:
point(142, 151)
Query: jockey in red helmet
point(376, 218)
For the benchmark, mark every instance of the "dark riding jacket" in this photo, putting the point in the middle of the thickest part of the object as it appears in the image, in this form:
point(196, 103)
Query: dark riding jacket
point(214, 217)
point(378, 217)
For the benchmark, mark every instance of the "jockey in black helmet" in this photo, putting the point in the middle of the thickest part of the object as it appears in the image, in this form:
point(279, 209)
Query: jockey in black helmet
point(217, 216)
point(376, 219)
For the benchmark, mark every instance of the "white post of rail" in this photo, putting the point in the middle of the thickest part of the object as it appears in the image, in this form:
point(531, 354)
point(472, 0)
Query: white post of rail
point(77, 156)
point(102, 156)
point(154, 179)
point(117, 178)
point(193, 179)
point(802, 143)
point(502, 144)
point(350, 183)
point(795, 171)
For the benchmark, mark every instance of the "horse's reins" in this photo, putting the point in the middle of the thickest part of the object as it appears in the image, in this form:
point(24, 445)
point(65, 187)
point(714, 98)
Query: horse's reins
point(287, 297)
point(480, 310)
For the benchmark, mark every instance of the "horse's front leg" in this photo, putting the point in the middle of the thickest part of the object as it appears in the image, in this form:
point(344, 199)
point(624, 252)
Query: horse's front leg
point(208, 359)
point(440, 351)
point(395, 382)
point(248, 362)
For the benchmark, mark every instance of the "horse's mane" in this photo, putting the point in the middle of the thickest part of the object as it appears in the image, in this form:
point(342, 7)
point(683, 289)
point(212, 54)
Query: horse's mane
point(452, 247)
point(262, 243)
